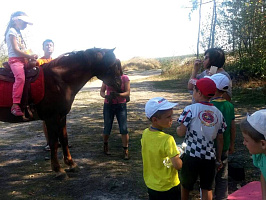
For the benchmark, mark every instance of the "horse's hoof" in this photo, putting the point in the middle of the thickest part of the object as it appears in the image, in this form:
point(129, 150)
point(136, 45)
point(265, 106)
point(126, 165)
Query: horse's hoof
point(25, 119)
point(73, 168)
point(61, 176)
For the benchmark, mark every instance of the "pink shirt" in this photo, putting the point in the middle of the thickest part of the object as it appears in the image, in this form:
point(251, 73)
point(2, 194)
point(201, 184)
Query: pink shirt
point(110, 89)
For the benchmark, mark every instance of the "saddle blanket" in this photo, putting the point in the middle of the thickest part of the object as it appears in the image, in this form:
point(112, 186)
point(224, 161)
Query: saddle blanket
point(36, 91)
point(250, 191)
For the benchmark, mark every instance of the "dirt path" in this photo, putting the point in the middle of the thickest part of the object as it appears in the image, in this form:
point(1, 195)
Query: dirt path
point(25, 172)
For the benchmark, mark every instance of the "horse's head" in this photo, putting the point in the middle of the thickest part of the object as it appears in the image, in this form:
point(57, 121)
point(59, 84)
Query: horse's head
point(106, 68)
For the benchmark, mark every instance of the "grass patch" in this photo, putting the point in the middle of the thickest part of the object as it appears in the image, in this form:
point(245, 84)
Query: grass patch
point(249, 96)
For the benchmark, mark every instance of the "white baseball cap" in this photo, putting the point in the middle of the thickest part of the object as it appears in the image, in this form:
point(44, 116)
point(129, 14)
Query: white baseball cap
point(258, 121)
point(222, 82)
point(156, 104)
point(24, 18)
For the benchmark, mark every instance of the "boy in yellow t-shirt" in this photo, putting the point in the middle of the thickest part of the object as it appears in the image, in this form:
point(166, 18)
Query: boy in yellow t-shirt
point(161, 180)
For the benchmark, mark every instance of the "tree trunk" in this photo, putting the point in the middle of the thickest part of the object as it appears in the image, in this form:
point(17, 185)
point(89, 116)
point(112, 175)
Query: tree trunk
point(199, 29)
point(214, 23)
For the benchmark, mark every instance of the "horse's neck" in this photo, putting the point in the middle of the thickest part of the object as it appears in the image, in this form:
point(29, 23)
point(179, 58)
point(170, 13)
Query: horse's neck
point(72, 77)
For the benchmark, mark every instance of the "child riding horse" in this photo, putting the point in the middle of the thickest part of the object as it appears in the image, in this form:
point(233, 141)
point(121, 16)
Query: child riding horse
point(63, 78)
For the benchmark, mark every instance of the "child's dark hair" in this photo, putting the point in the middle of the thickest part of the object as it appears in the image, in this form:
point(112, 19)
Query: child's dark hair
point(158, 114)
point(11, 21)
point(46, 41)
point(119, 66)
point(250, 131)
point(216, 57)
point(221, 91)
point(197, 89)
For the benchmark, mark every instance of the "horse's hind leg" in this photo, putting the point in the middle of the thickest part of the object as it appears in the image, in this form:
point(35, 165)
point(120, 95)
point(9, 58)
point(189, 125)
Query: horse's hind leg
point(63, 138)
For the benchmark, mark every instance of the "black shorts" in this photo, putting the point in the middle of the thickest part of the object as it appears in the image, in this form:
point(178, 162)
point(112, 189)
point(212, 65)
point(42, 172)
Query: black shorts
point(194, 167)
point(173, 194)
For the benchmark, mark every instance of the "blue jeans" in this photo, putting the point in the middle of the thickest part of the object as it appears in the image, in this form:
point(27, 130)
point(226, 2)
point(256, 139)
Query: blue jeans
point(109, 112)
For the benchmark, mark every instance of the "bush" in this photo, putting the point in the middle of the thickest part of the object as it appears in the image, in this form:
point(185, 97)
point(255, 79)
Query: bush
point(138, 63)
point(177, 67)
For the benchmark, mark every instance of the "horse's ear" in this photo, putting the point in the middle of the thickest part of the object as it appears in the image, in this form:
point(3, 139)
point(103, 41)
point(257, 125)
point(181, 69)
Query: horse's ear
point(111, 50)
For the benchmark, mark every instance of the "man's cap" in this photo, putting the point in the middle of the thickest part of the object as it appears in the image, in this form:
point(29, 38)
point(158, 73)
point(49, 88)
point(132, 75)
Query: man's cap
point(24, 18)
point(258, 121)
point(222, 81)
point(156, 104)
point(206, 86)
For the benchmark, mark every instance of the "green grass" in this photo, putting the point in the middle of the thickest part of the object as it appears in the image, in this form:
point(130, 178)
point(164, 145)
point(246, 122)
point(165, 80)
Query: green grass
point(249, 96)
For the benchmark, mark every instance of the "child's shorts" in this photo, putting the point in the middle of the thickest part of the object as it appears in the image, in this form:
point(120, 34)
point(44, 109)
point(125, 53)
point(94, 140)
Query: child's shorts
point(173, 194)
point(194, 167)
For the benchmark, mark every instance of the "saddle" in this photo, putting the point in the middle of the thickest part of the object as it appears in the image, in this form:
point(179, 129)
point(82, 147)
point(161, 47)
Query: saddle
point(32, 71)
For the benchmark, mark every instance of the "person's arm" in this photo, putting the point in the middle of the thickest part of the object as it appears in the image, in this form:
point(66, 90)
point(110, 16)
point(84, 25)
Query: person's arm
point(18, 51)
point(220, 143)
point(126, 93)
point(102, 91)
point(181, 130)
point(263, 186)
point(232, 137)
point(177, 162)
point(195, 71)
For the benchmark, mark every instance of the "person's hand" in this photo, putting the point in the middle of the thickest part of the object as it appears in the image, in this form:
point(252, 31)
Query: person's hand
point(219, 165)
point(197, 65)
point(108, 98)
point(33, 57)
point(116, 94)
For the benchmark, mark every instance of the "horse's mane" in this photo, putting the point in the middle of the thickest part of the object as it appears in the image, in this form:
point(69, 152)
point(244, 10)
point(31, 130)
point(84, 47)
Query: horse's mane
point(81, 57)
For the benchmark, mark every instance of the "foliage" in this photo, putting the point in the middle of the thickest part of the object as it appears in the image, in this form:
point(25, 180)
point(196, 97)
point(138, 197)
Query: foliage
point(246, 29)
point(239, 29)
point(3, 54)
point(177, 67)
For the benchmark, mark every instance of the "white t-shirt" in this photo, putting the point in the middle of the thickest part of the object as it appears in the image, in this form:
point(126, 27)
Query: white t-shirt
point(20, 42)
point(203, 121)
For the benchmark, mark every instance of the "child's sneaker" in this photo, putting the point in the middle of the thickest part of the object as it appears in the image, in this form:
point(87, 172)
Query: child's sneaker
point(15, 110)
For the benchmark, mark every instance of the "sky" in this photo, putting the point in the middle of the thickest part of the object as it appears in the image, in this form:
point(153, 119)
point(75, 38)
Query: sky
point(136, 28)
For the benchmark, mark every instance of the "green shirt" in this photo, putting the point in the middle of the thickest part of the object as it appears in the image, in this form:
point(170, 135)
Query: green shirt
point(155, 147)
point(259, 160)
point(227, 109)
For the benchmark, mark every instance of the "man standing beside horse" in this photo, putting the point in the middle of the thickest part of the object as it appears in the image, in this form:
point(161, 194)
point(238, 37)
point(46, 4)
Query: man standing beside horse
point(48, 49)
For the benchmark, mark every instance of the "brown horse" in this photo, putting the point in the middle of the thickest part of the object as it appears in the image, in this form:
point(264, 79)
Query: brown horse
point(63, 78)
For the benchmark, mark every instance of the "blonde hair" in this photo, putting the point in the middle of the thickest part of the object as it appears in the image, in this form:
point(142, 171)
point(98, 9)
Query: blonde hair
point(11, 23)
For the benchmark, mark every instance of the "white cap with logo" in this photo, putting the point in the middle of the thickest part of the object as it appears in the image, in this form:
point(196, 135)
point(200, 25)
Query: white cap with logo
point(156, 104)
point(258, 121)
point(222, 82)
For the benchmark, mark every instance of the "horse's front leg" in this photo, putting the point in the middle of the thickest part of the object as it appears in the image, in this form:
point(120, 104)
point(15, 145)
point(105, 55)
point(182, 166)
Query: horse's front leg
point(53, 130)
point(63, 138)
